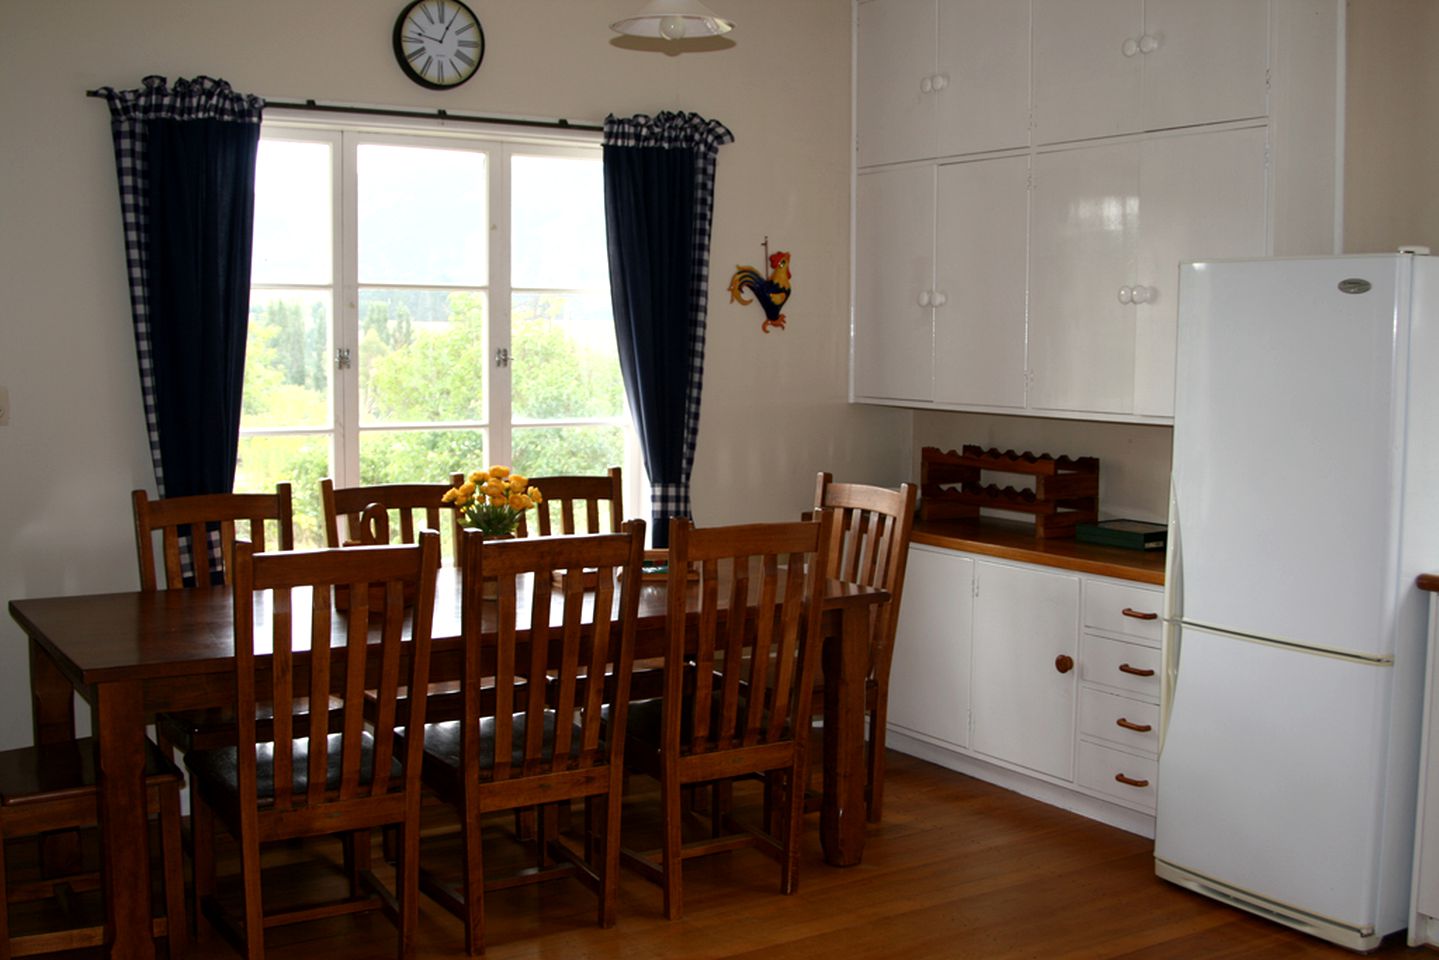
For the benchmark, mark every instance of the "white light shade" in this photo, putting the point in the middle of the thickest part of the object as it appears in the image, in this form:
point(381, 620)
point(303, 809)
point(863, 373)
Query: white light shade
point(674, 20)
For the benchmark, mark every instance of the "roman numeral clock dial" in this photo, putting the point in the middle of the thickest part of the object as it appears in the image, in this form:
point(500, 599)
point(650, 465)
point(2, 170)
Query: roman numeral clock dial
point(439, 43)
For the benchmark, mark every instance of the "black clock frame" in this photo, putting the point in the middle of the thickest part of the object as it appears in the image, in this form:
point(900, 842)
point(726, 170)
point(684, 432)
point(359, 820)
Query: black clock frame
point(404, 61)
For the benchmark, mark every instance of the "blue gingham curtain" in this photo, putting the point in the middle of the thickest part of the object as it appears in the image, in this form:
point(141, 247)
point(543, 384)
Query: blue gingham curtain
point(185, 158)
point(659, 206)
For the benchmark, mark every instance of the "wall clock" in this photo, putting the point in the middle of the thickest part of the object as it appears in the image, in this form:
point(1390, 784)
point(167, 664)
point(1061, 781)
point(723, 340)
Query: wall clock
point(439, 43)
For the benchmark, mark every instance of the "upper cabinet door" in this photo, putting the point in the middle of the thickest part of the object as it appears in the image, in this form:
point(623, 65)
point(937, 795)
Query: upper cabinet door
point(1107, 67)
point(980, 260)
point(983, 75)
point(1220, 173)
point(894, 284)
point(1084, 84)
point(1205, 62)
point(894, 90)
point(1084, 244)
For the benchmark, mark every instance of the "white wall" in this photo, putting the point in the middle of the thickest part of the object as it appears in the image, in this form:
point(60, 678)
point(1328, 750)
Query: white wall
point(774, 405)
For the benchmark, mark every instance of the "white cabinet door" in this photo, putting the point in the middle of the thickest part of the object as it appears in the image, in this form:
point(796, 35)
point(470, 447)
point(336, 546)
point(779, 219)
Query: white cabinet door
point(1106, 67)
point(1202, 197)
point(1083, 249)
point(1084, 85)
point(980, 272)
point(1208, 62)
point(895, 52)
point(984, 68)
point(1023, 698)
point(894, 280)
point(929, 676)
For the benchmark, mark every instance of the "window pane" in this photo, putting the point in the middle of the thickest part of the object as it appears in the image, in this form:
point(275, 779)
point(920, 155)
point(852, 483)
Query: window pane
point(287, 360)
point(302, 460)
point(292, 213)
point(558, 223)
point(556, 451)
point(419, 456)
point(565, 362)
point(422, 356)
point(423, 215)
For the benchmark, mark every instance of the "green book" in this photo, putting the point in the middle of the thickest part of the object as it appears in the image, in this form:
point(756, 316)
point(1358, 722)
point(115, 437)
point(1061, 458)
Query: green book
point(1131, 534)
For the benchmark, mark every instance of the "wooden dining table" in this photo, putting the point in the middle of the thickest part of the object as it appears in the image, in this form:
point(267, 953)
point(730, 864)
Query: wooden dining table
point(133, 655)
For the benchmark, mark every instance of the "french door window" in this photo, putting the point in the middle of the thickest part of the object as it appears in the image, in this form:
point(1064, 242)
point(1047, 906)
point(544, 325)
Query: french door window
point(423, 304)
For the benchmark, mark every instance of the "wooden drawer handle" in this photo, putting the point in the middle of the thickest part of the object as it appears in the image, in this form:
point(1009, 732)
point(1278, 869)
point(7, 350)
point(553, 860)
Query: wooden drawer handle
point(1131, 725)
point(1135, 671)
point(1139, 614)
point(1128, 782)
point(1064, 663)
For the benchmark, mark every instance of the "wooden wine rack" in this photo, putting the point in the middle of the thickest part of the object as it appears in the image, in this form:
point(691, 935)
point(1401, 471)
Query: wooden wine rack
point(1066, 490)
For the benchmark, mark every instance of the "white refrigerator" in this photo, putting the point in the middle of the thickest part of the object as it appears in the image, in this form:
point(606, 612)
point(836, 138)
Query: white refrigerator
point(1305, 501)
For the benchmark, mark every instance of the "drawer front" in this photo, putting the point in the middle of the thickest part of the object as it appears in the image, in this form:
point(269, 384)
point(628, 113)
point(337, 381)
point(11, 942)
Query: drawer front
point(1118, 775)
point(1122, 720)
point(1124, 666)
point(1123, 609)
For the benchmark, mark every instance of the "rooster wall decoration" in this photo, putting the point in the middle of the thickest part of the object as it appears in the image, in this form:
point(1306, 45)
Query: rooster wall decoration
point(772, 292)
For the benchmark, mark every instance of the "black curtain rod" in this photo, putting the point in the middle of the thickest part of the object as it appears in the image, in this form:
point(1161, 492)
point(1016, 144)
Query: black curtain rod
point(437, 114)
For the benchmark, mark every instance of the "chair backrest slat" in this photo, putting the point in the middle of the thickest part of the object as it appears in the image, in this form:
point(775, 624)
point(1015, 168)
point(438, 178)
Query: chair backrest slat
point(569, 497)
point(372, 641)
point(559, 638)
point(753, 667)
point(370, 511)
point(192, 522)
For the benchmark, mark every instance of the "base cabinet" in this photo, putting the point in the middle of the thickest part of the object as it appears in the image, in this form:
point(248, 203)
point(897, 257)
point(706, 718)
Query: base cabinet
point(1042, 680)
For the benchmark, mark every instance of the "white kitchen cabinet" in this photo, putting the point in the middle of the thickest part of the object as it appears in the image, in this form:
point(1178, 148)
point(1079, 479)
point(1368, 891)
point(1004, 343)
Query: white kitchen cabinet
point(1109, 67)
point(929, 680)
point(1110, 224)
point(940, 78)
point(940, 295)
point(1026, 639)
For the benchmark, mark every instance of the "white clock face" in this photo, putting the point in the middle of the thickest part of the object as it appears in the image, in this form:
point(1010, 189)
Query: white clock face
point(439, 43)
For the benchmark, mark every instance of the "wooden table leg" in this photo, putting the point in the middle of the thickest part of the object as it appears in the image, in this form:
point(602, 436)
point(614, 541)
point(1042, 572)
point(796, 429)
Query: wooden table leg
point(124, 834)
point(842, 818)
point(52, 711)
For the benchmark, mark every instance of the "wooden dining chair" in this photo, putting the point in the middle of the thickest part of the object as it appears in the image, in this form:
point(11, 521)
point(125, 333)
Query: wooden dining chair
point(870, 545)
point(346, 781)
point(171, 521)
point(577, 504)
point(740, 704)
point(532, 749)
point(53, 787)
point(409, 508)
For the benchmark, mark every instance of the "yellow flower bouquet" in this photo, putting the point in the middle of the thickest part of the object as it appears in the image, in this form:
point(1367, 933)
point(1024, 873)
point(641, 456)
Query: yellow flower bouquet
point(492, 501)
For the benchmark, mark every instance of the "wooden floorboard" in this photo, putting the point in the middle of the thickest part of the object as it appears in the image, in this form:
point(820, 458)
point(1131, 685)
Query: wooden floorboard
point(959, 868)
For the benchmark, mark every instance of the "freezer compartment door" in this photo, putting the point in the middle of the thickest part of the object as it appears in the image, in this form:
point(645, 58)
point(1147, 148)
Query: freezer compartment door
point(1285, 449)
point(1271, 778)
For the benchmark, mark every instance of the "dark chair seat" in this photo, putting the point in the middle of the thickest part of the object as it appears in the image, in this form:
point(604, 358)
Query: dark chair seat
point(217, 769)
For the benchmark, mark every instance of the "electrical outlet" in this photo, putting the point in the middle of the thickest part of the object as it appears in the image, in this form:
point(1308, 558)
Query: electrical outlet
point(4, 407)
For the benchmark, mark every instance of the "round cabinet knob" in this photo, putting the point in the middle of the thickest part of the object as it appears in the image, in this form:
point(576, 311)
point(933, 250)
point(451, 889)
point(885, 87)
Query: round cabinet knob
point(939, 299)
point(1064, 663)
point(941, 80)
point(1126, 294)
point(925, 300)
point(1130, 47)
point(926, 85)
point(1148, 43)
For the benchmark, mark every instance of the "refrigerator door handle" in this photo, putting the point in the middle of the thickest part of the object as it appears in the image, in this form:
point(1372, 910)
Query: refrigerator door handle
point(1173, 610)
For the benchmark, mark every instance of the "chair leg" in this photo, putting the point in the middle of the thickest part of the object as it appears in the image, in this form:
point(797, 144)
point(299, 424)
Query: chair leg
point(254, 909)
point(474, 886)
point(671, 858)
point(407, 877)
point(176, 919)
point(358, 855)
point(202, 853)
point(875, 769)
point(792, 793)
point(610, 807)
point(4, 906)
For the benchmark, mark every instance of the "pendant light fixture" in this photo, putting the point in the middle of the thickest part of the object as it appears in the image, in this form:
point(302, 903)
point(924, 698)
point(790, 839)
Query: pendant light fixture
point(674, 20)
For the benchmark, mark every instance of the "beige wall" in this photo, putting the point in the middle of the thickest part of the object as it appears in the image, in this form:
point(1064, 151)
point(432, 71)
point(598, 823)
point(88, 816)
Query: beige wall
point(1391, 176)
point(774, 406)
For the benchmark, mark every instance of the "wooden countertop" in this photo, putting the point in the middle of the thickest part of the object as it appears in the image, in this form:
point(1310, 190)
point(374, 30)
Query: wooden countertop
point(1429, 581)
point(1011, 540)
